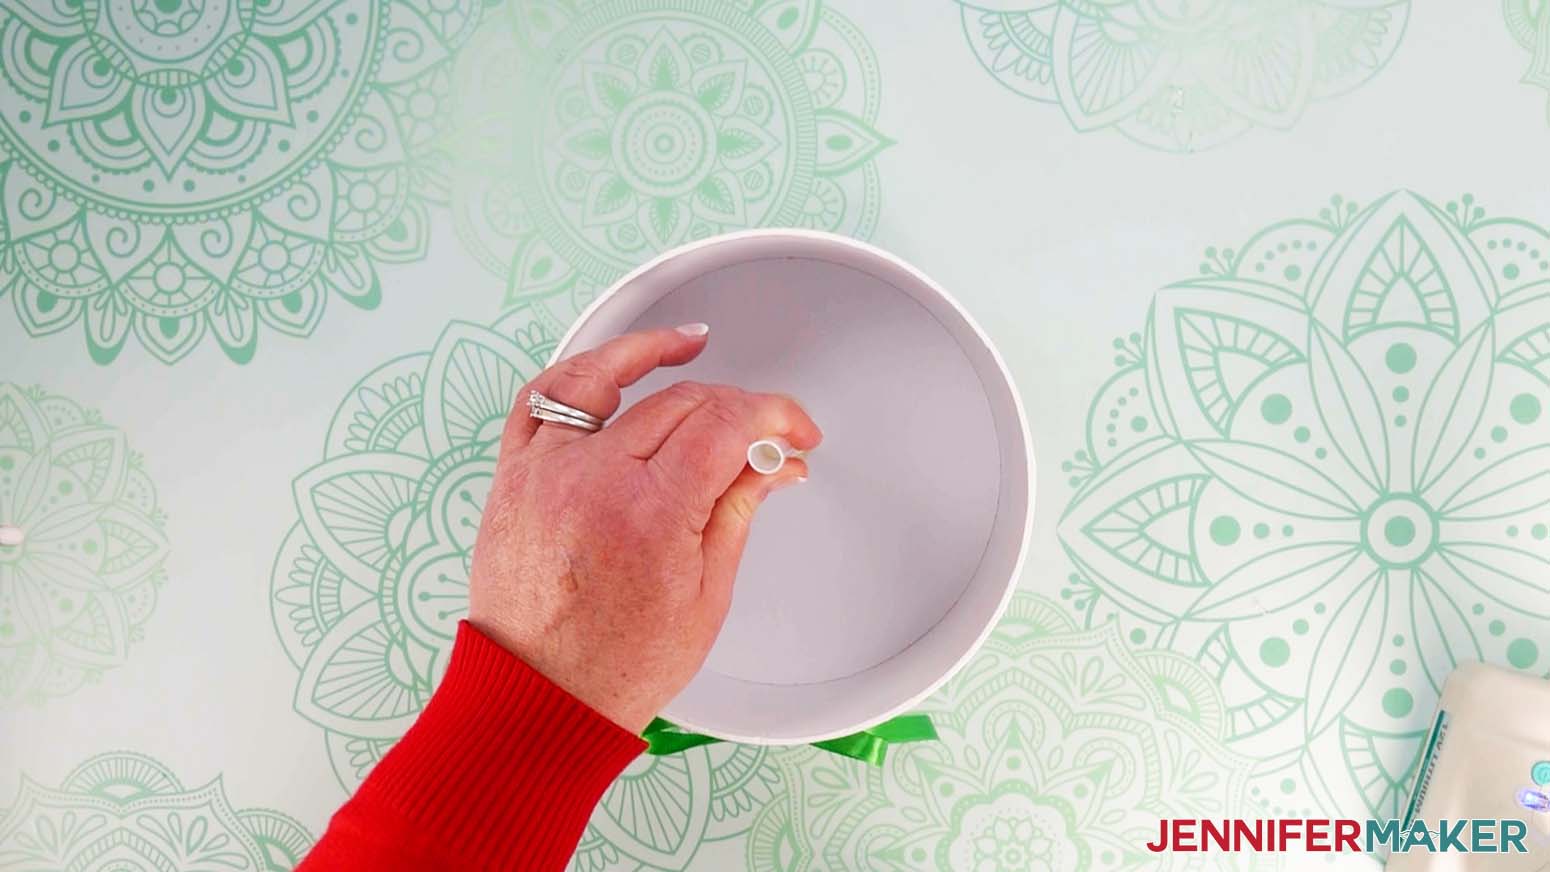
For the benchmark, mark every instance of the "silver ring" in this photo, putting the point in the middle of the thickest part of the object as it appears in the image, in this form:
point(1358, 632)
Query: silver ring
point(536, 400)
point(557, 418)
point(545, 409)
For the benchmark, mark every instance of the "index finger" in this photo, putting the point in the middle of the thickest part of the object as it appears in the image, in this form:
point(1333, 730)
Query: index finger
point(591, 381)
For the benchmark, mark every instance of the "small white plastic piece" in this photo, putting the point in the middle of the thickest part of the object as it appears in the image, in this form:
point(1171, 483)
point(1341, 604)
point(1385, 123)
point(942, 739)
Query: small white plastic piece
point(767, 456)
point(11, 536)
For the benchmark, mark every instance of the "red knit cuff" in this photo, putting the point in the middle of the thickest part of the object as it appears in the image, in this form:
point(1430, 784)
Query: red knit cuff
point(503, 768)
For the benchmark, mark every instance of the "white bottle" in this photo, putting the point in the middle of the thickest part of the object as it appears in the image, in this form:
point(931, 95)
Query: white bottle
point(1487, 756)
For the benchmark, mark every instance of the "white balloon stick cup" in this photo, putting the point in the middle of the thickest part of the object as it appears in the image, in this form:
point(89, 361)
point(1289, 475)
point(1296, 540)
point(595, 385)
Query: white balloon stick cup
point(11, 536)
point(768, 456)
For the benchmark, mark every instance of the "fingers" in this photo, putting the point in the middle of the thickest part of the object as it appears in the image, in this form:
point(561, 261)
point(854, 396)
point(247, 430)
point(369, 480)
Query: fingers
point(704, 432)
point(727, 530)
point(643, 427)
point(590, 381)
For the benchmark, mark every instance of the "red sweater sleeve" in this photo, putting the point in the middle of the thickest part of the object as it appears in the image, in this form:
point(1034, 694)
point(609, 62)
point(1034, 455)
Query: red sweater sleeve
point(500, 772)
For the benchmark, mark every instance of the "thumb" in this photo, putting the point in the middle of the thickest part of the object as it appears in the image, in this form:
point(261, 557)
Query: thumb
point(727, 530)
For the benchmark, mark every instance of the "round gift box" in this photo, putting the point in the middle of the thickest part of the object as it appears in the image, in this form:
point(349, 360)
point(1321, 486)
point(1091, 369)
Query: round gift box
point(863, 590)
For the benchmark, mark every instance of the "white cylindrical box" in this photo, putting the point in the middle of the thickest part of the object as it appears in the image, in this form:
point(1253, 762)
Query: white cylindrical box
point(864, 589)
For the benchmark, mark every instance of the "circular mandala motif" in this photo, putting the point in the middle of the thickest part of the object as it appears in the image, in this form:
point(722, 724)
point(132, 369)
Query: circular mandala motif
point(1529, 23)
point(372, 579)
point(1060, 749)
point(663, 810)
point(1320, 472)
point(124, 811)
point(1183, 76)
point(1011, 831)
point(638, 125)
point(174, 169)
point(75, 593)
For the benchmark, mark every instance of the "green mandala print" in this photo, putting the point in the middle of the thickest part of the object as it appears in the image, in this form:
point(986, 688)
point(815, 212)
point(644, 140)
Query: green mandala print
point(638, 125)
point(76, 593)
point(1060, 749)
point(1321, 473)
point(372, 579)
point(1529, 23)
point(663, 810)
point(1182, 75)
point(182, 168)
point(127, 813)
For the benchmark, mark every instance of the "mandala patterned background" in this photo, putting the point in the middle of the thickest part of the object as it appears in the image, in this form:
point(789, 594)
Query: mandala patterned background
point(643, 124)
point(1319, 472)
point(1181, 75)
point(127, 811)
point(1302, 483)
point(373, 578)
point(76, 594)
point(205, 168)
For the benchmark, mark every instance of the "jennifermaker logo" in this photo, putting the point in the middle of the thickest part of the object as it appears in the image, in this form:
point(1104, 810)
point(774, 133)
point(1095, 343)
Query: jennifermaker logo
point(1466, 836)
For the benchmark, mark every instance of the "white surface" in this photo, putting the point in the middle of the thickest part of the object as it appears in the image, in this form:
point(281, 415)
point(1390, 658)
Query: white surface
point(845, 575)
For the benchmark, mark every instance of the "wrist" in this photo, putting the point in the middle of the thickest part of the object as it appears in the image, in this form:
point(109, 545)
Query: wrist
point(501, 758)
point(618, 700)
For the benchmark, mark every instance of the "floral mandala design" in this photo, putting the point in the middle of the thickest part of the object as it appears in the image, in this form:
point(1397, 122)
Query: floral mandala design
point(126, 811)
point(174, 168)
point(1181, 75)
point(372, 579)
point(1529, 22)
point(641, 124)
point(1321, 474)
point(663, 810)
point(1060, 749)
point(78, 590)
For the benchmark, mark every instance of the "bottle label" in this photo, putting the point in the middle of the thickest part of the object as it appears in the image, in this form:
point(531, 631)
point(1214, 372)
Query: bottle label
point(1423, 778)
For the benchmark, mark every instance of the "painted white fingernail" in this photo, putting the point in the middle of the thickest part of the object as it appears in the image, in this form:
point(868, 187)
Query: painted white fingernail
point(698, 328)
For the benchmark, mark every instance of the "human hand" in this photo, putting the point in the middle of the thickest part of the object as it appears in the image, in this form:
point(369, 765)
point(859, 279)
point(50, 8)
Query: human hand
point(605, 560)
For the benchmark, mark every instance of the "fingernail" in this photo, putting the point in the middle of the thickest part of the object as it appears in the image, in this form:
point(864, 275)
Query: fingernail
point(698, 328)
point(787, 482)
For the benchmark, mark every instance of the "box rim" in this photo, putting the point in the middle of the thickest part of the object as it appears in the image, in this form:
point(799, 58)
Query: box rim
point(865, 248)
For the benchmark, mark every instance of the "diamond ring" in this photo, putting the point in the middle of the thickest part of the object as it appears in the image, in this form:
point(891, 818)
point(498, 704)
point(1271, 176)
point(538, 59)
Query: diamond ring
point(553, 411)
